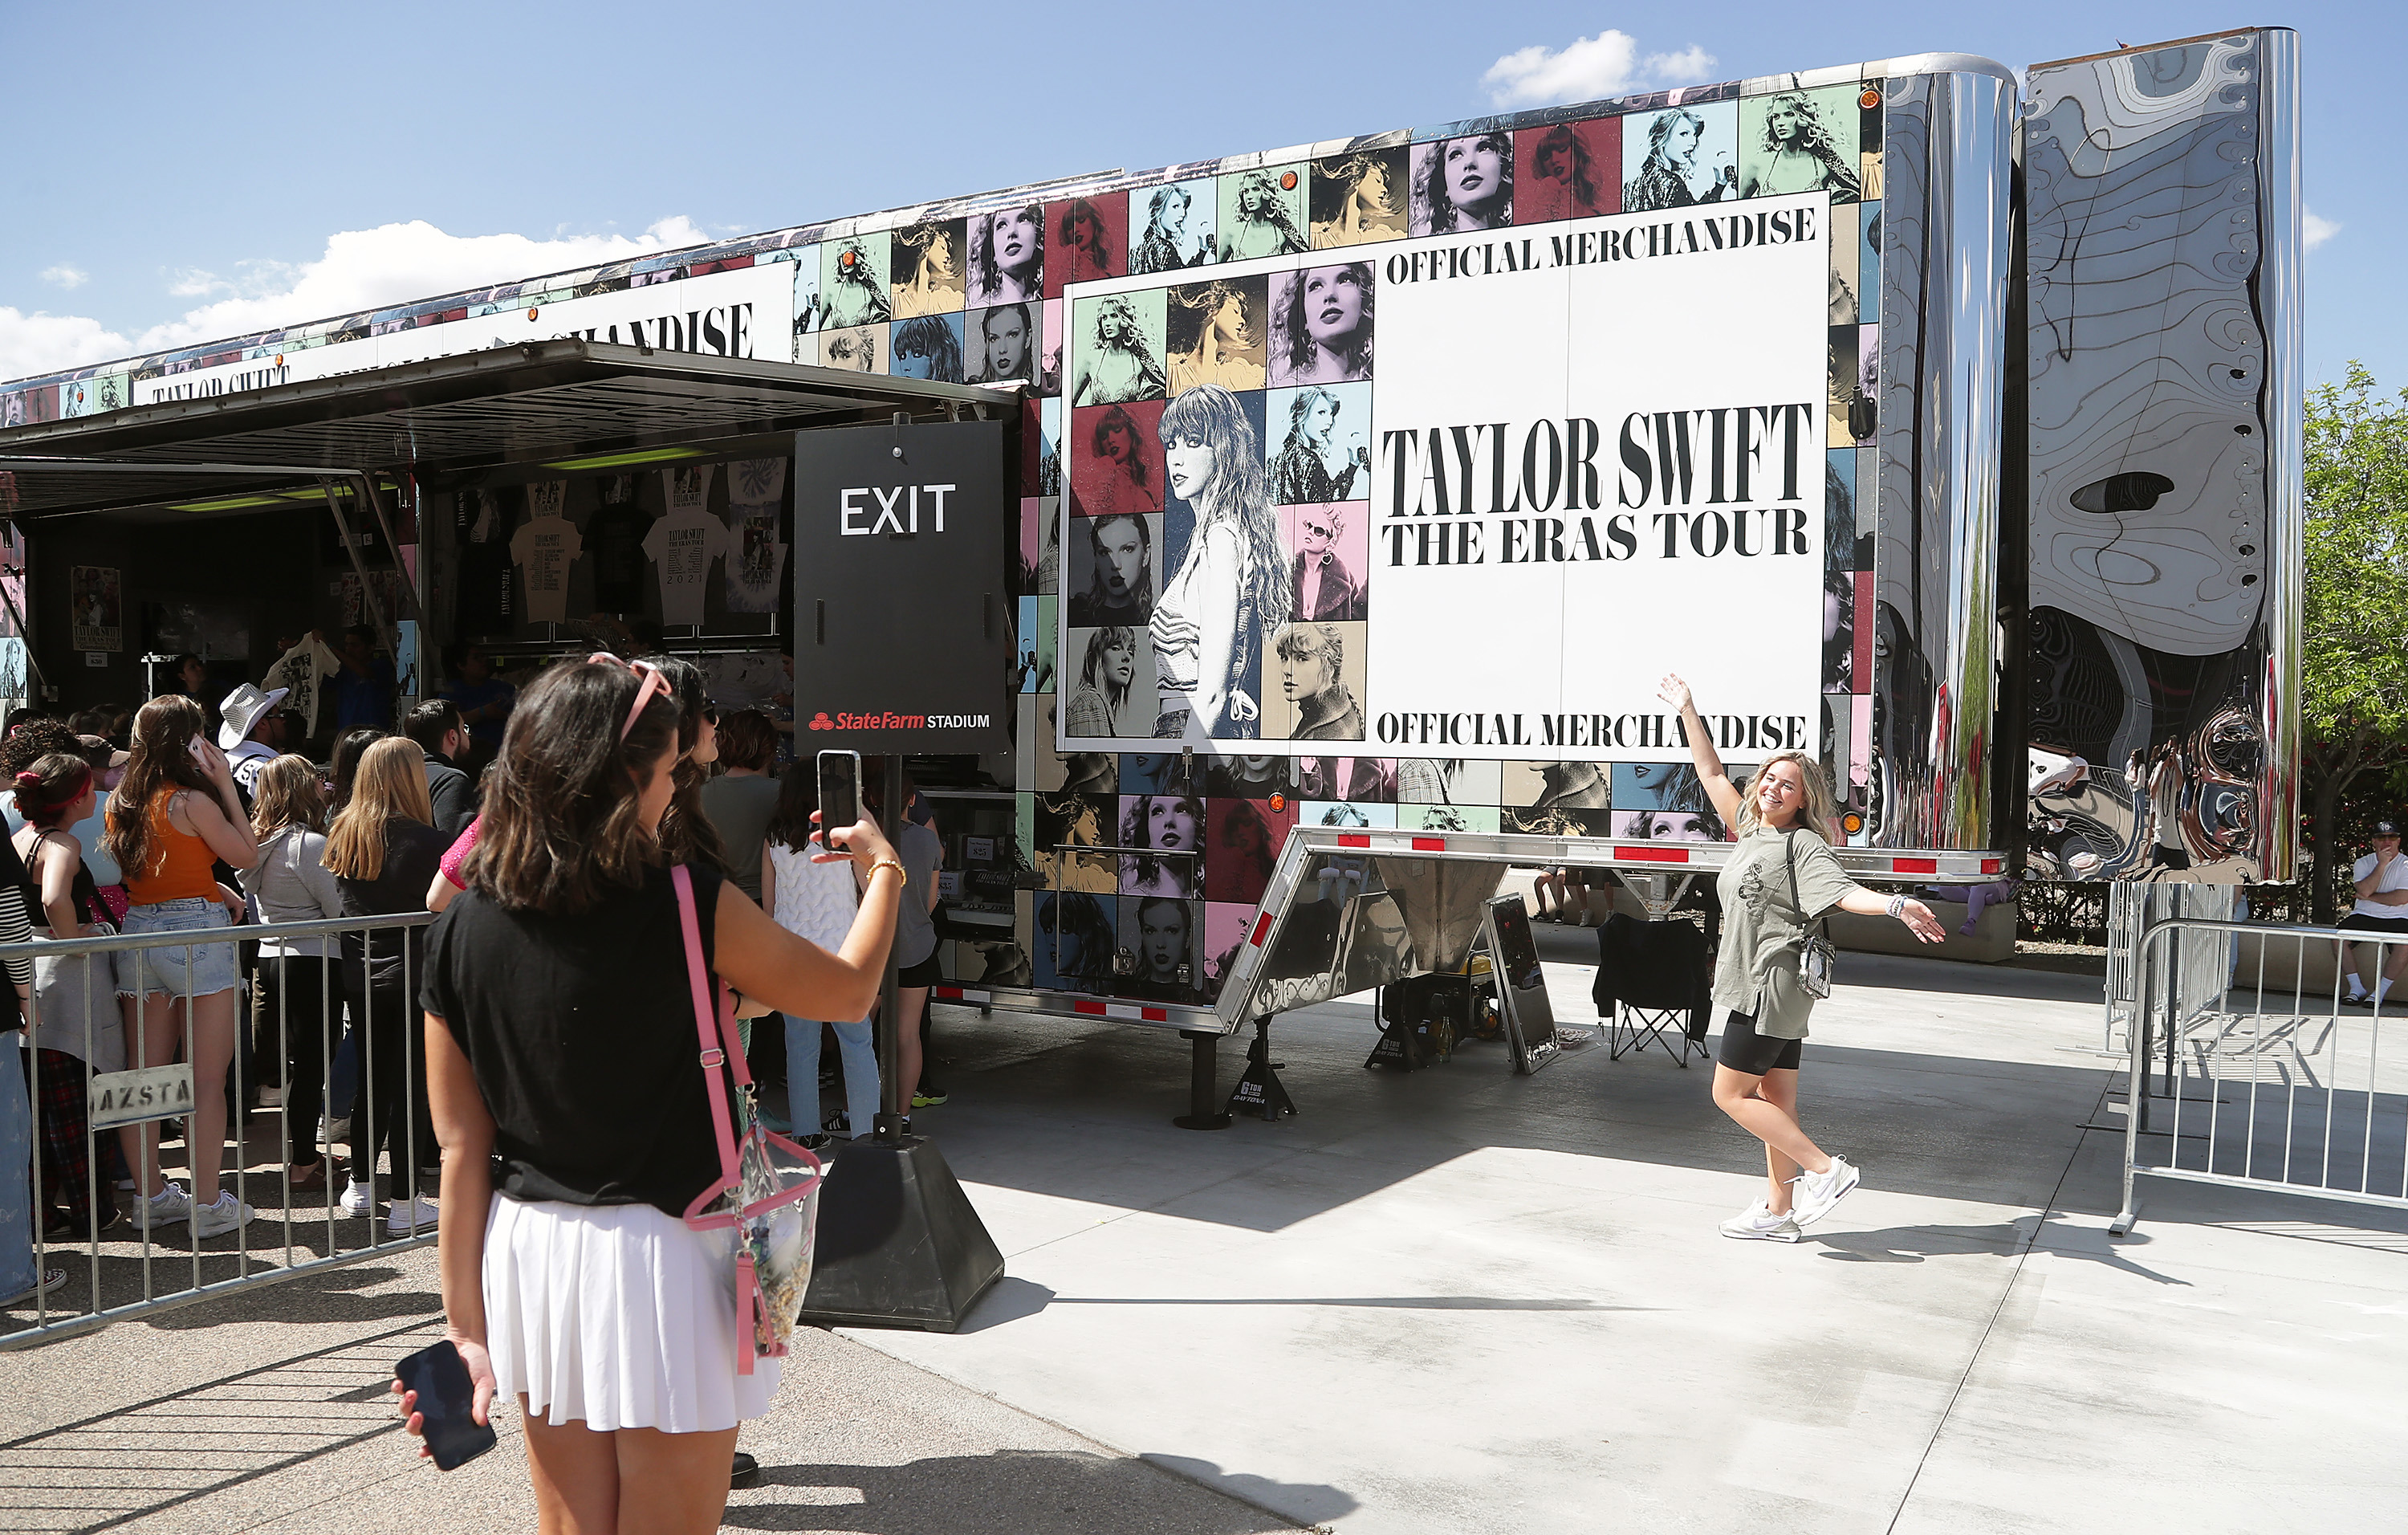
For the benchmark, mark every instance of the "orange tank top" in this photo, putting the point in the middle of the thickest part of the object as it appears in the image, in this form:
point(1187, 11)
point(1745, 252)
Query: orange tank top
point(180, 863)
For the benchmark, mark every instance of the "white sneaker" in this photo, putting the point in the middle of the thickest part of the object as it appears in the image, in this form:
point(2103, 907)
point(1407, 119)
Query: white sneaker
point(271, 1097)
point(412, 1217)
point(1758, 1223)
point(165, 1208)
point(1817, 1192)
point(216, 1220)
point(359, 1199)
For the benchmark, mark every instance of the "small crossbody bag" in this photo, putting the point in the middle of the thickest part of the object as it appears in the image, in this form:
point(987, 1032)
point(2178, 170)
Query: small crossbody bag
point(769, 1189)
point(1814, 954)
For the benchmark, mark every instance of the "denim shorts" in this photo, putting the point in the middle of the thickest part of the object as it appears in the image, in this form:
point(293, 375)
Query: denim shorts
point(206, 969)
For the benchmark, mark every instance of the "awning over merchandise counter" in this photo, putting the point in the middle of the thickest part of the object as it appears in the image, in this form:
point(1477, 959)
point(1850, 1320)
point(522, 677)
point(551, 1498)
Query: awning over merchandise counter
point(548, 400)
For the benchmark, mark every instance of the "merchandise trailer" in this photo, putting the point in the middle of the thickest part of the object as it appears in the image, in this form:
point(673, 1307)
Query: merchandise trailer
point(1356, 496)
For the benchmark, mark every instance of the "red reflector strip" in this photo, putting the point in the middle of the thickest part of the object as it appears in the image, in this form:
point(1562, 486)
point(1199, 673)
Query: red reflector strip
point(1262, 929)
point(1994, 865)
point(1350, 839)
point(1915, 866)
point(1429, 844)
point(1155, 1016)
point(1653, 855)
point(950, 994)
point(1093, 1010)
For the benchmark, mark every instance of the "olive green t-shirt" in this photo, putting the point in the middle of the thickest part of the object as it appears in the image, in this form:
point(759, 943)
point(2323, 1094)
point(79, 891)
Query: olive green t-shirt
point(1763, 927)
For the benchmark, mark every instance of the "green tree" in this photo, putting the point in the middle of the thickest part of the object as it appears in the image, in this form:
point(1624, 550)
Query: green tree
point(2354, 622)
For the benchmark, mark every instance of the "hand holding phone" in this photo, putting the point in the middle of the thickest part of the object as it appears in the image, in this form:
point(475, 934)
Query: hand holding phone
point(441, 1403)
point(839, 797)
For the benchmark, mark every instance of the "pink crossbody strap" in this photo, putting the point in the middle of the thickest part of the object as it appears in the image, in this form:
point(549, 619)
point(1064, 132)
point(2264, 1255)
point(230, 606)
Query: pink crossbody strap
point(715, 1051)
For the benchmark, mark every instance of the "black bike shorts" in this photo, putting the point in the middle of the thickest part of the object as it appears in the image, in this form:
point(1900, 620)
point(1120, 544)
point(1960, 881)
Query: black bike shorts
point(1746, 1049)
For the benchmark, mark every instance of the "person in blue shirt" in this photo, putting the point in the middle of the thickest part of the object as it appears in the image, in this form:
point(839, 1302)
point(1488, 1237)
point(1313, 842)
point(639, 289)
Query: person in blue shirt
point(364, 687)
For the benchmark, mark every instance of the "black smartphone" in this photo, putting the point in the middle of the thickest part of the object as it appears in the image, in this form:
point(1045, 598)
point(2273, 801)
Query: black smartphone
point(840, 795)
point(446, 1399)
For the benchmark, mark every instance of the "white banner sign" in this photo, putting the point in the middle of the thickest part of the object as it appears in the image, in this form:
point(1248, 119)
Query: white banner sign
point(1515, 478)
point(744, 313)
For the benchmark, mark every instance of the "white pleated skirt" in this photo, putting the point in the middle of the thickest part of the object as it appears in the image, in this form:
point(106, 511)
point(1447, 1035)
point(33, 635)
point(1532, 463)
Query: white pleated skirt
point(619, 1316)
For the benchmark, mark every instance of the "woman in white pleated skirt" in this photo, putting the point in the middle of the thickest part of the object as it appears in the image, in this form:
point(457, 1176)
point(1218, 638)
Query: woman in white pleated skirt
point(570, 1096)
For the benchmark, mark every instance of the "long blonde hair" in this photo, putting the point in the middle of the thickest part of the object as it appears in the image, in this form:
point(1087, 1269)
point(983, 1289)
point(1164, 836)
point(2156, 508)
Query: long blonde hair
point(289, 793)
point(391, 786)
point(1820, 810)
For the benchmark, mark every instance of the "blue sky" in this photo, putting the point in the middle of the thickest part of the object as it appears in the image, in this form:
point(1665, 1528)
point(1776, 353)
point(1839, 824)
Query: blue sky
point(189, 172)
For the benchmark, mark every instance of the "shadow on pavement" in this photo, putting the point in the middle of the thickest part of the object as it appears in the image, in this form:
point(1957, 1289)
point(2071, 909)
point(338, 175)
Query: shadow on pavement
point(1030, 1492)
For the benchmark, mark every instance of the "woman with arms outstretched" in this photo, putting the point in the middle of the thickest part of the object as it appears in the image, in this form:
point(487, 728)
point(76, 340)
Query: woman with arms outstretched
point(1781, 877)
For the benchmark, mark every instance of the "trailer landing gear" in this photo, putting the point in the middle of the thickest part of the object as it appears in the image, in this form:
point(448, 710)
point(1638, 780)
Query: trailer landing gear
point(1202, 1113)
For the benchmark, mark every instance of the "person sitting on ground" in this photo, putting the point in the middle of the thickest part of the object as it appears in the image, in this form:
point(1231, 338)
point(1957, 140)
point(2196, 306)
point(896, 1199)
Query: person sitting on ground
point(435, 725)
point(560, 1032)
point(1972, 897)
point(2380, 879)
point(1782, 875)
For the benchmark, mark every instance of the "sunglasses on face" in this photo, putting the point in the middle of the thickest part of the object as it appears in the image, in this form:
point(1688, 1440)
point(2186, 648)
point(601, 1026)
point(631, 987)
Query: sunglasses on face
point(1320, 532)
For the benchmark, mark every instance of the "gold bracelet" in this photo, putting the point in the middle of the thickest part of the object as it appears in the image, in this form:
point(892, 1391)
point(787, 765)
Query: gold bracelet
point(894, 863)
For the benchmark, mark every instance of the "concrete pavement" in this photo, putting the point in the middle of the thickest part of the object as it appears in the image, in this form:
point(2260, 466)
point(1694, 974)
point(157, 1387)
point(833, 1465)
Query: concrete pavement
point(1453, 1300)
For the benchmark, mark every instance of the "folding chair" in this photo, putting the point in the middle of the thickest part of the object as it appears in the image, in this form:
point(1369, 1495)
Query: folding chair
point(1631, 1028)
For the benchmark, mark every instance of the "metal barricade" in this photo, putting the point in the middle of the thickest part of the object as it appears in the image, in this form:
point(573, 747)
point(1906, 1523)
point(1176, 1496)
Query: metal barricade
point(2255, 1071)
point(182, 1045)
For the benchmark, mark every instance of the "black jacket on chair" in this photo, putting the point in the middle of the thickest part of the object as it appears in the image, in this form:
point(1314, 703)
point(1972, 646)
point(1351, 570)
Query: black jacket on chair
point(1654, 965)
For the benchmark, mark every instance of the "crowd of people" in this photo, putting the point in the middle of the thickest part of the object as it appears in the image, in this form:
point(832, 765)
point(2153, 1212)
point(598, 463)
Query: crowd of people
point(204, 812)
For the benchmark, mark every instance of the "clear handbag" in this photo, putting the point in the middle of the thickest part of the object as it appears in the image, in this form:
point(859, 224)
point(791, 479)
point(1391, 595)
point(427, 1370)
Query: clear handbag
point(768, 1190)
point(1815, 953)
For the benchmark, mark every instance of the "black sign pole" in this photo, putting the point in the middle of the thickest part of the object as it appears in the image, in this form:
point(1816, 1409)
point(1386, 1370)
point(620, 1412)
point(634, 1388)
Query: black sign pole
point(902, 537)
point(892, 1107)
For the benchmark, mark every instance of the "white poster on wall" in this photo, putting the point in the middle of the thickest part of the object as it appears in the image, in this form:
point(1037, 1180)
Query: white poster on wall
point(1506, 481)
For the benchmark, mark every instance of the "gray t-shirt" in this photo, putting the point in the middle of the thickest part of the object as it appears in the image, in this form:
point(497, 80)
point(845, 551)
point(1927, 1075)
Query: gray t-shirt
point(915, 930)
point(740, 808)
point(1763, 928)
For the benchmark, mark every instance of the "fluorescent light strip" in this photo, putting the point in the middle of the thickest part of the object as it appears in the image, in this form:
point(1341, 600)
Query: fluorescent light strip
point(616, 461)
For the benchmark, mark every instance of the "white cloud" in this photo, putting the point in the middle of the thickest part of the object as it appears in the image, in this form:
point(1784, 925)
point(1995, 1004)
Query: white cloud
point(65, 276)
point(1607, 65)
point(2315, 231)
point(361, 269)
point(48, 343)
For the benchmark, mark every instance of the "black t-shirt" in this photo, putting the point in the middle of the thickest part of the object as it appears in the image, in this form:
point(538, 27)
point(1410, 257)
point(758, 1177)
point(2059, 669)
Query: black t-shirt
point(413, 851)
point(580, 1031)
point(614, 542)
point(484, 603)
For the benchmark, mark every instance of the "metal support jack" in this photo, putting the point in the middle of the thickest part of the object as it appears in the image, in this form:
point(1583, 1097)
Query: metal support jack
point(1202, 1113)
point(1259, 1090)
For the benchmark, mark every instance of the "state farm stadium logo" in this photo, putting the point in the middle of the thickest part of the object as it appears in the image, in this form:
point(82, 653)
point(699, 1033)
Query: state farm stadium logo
point(884, 721)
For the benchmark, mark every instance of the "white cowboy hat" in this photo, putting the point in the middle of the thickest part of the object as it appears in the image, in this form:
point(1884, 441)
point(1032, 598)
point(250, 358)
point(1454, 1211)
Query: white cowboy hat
point(241, 710)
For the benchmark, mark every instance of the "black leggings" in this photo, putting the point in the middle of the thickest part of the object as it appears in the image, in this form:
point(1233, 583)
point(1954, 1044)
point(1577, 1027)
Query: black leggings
point(392, 1103)
point(293, 1007)
point(1746, 1049)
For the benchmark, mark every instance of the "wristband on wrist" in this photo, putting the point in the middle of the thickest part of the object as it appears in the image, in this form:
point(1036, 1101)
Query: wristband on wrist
point(894, 864)
point(1897, 907)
